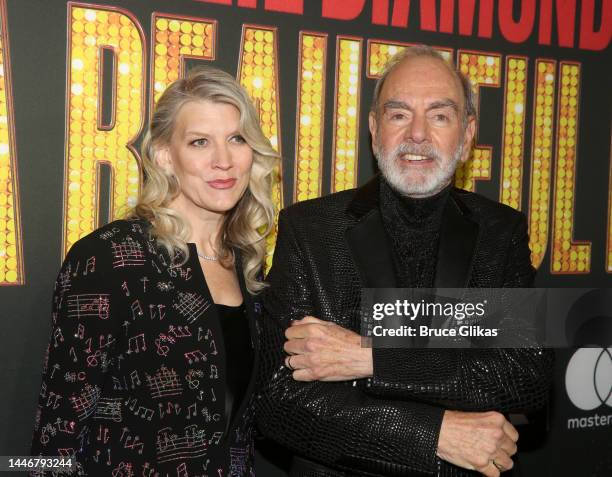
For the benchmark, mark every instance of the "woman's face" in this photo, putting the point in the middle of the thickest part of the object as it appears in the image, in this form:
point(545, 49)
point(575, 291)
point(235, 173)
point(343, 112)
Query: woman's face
point(209, 156)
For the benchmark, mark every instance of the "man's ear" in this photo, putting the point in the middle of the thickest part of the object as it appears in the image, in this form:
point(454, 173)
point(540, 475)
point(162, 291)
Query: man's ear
point(372, 125)
point(468, 137)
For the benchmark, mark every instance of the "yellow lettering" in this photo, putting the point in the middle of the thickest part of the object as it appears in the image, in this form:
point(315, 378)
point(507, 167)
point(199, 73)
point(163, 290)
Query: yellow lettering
point(310, 116)
point(483, 70)
point(568, 256)
point(257, 72)
point(11, 253)
point(89, 143)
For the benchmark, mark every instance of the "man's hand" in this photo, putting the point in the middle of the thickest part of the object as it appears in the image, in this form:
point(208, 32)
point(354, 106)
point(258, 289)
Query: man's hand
point(323, 351)
point(482, 441)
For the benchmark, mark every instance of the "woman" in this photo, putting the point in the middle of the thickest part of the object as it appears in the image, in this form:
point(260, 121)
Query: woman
point(150, 365)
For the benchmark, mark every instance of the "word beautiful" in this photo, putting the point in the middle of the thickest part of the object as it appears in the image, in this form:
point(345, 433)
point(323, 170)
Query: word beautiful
point(425, 331)
point(412, 310)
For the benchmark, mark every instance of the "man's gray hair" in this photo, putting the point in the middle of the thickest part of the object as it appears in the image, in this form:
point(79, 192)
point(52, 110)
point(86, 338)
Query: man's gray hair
point(424, 50)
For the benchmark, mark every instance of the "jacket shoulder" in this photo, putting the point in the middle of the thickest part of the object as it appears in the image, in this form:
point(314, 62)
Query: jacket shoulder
point(332, 204)
point(113, 233)
point(488, 209)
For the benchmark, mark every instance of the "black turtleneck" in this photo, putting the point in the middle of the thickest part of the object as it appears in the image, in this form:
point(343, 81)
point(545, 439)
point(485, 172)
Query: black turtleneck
point(414, 228)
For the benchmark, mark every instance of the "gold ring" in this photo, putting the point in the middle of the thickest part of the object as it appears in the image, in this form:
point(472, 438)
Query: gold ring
point(289, 363)
point(497, 466)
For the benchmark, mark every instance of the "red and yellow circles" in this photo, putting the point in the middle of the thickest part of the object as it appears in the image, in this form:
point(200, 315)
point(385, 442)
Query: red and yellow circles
point(380, 53)
point(541, 159)
point(10, 253)
point(567, 257)
point(258, 77)
point(89, 141)
point(311, 95)
point(514, 133)
point(478, 167)
point(482, 70)
point(175, 38)
point(347, 114)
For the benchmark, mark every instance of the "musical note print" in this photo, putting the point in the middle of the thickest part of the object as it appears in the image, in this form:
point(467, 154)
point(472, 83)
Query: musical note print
point(179, 331)
point(165, 286)
point(127, 253)
point(63, 281)
point(136, 344)
point(57, 336)
point(109, 409)
point(136, 309)
point(135, 379)
point(90, 265)
point(161, 349)
point(191, 305)
point(89, 305)
point(195, 356)
point(85, 403)
point(131, 383)
point(125, 288)
point(191, 444)
point(165, 382)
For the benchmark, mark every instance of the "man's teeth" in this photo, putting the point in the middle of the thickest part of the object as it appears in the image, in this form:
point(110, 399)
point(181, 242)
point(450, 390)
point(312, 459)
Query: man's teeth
point(414, 157)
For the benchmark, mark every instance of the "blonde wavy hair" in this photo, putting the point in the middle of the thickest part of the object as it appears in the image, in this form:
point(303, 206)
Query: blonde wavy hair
point(246, 225)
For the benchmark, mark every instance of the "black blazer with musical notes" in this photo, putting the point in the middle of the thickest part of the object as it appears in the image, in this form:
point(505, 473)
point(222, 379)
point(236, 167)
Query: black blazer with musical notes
point(135, 375)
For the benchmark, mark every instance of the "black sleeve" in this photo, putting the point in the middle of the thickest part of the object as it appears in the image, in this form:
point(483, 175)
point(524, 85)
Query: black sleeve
point(506, 379)
point(332, 423)
point(80, 350)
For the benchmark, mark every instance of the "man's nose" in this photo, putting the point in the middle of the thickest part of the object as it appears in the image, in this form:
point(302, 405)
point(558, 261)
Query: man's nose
point(418, 130)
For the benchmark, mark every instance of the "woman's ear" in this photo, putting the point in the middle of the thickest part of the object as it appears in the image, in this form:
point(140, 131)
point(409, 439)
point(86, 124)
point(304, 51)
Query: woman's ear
point(163, 159)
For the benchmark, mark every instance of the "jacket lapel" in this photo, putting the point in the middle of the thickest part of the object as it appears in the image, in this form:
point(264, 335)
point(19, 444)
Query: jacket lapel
point(367, 240)
point(370, 248)
point(253, 310)
point(456, 249)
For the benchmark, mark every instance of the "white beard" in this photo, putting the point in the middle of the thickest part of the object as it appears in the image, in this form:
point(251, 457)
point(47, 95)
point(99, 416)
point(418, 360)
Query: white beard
point(420, 185)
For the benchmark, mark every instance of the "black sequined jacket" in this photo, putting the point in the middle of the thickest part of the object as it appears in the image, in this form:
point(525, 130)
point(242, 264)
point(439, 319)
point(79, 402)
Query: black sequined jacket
point(388, 425)
point(135, 377)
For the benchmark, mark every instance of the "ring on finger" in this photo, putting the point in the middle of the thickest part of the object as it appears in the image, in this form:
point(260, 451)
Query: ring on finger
point(497, 466)
point(289, 363)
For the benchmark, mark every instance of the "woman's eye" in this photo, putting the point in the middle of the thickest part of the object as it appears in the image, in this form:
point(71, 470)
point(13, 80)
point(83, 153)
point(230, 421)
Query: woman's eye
point(238, 139)
point(199, 142)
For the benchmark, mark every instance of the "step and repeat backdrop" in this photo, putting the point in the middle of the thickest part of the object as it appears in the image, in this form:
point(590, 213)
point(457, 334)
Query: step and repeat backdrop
point(78, 82)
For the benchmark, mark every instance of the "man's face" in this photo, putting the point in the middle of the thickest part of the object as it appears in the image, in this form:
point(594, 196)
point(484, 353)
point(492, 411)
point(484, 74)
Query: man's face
point(417, 131)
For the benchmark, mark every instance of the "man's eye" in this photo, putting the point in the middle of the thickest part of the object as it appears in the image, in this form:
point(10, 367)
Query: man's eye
point(397, 116)
point(199, 142)
point(442, 118)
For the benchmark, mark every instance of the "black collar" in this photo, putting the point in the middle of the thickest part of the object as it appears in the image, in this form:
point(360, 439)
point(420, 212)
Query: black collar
point(366, 198)
point(372, 251)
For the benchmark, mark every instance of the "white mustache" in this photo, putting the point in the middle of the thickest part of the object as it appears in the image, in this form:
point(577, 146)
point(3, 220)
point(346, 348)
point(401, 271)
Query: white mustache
point(420, 150)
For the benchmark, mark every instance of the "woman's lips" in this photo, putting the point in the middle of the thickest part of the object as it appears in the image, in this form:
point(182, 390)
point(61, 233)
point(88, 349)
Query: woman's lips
point(222, 183)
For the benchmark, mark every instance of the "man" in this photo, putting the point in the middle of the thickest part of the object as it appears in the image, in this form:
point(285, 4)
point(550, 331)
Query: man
point(345, 410)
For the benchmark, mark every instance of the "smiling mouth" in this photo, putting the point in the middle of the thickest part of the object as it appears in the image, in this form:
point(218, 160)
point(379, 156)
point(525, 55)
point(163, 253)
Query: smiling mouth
point(414, 157)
